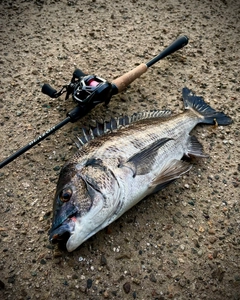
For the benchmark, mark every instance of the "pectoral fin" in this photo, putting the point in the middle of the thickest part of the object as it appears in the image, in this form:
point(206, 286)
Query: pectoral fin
point(141, 162)
point(173, 171)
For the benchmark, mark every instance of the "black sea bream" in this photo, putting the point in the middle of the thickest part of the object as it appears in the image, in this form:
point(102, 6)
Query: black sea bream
point(120, 162)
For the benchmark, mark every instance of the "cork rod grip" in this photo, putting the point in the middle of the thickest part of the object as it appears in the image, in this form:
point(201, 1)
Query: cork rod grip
point(123, 81)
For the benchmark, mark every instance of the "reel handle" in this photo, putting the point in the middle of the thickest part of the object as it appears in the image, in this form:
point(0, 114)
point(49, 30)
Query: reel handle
point(49, 91)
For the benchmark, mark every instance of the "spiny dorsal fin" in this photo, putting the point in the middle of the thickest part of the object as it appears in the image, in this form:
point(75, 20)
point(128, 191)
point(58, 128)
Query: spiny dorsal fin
point(105, 127)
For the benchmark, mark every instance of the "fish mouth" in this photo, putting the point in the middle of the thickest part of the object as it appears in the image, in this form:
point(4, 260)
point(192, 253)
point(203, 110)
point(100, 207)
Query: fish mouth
point(62, 233)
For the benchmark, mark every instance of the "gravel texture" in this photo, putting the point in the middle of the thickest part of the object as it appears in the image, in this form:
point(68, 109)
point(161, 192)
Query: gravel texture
point(182, 243)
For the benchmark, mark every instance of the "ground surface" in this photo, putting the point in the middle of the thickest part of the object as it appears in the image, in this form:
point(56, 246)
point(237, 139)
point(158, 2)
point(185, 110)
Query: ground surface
point(182, 243)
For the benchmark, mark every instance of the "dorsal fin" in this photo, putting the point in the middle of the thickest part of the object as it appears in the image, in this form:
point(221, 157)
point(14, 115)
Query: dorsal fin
point(105, 127)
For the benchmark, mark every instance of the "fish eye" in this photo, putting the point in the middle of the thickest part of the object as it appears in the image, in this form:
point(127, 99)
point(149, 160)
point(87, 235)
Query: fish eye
point(66, 195)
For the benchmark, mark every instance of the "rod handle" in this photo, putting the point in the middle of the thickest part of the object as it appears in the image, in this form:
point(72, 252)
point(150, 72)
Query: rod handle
point(123, 81)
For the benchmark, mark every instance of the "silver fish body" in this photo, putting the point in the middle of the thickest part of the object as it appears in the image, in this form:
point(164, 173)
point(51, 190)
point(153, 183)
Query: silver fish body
point(121, 162)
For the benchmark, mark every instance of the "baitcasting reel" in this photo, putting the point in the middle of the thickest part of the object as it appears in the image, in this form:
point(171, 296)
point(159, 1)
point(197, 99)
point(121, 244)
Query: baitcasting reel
point(85, 89)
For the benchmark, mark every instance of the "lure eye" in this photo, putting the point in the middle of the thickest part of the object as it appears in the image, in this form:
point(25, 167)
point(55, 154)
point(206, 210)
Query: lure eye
point(66, 195)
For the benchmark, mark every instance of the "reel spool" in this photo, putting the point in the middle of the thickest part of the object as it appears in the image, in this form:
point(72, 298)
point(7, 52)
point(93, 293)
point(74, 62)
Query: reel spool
point(92, 89)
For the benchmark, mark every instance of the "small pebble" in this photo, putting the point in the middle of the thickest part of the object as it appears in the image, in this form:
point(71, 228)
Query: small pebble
point(210, 256)
point(43, 262)
point(56, 168)
point(106, 294)
point(182, 282)
point(11, 279)
point(212, 239)
point(103, 261)
point(89, 283)
point(237, 277)
point(2, 285)
point(19, 113)
point(126, 287)
point(136, 280)
point(153, 278)
point(196, 243)
point(182, 247)
point(215, 253)
point(57, 253)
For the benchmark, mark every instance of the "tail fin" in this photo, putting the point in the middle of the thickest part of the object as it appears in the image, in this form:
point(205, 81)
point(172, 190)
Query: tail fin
point(210, 115)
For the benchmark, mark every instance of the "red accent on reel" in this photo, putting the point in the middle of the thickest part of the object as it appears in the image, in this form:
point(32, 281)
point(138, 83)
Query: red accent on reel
point(93, 83)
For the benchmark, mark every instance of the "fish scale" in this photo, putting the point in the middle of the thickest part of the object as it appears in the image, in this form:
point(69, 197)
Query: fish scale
point(120, 162)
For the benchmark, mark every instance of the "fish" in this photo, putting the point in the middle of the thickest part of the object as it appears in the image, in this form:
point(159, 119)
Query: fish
point(122, 161)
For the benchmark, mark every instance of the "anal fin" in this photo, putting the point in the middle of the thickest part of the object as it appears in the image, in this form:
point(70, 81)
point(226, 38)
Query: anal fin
point(173, 171)
point(195, 148)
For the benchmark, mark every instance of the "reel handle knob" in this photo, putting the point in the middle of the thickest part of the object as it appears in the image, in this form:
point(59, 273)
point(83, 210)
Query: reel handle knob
point(78, 73)
point(49, 91)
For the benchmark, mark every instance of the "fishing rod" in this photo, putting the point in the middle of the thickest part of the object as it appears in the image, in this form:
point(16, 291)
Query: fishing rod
point(90, 90)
